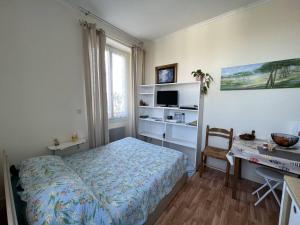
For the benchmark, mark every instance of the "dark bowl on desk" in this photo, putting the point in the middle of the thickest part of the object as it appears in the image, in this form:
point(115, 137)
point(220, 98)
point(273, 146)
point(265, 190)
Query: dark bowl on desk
point(284, 140)
point(247, 137)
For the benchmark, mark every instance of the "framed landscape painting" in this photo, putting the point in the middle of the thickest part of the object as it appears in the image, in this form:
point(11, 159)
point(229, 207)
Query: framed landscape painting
point(276, 74)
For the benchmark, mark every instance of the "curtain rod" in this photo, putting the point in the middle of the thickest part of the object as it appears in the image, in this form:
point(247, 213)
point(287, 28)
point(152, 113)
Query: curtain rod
point(89, 13)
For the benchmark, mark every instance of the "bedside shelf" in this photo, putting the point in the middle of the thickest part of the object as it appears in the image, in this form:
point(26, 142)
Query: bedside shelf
point(66, 145)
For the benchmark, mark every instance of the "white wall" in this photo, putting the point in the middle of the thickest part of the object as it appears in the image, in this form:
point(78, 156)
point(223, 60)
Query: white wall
point(41, 75)
point(265, 32)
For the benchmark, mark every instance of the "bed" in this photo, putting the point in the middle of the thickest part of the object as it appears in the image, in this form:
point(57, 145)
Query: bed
point(125, 182)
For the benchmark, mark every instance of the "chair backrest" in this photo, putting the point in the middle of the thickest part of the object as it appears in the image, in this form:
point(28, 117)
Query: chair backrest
point(219, 132)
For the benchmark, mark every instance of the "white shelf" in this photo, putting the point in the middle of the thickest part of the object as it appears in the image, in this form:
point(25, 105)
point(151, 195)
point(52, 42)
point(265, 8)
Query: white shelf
point(152, 120)
point(147, 107)
point(181, 124)
point(169, 108)
point(150, 135)
point(169, 84)
point(180, 136)
point(181, 142)
point(177, 109)
point(184, 143)
point(147, 85)
point(165, 122)
point(65, 145)
point(184, 83)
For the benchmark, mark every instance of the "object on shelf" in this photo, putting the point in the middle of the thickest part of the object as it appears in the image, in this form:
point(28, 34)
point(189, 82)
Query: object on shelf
point(167, 98)
point(169, 117)
point(192, 107)
point(142, 103)
point(74, 136)
point(248, 137)
point(180, 117)
point(284, 140)
point(56, 142)
point(144, 116)
point(172, 121)
point(193, 123)
point(156, 118)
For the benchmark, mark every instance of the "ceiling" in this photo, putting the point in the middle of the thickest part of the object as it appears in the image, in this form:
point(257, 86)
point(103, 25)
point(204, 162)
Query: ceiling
point(151, 19)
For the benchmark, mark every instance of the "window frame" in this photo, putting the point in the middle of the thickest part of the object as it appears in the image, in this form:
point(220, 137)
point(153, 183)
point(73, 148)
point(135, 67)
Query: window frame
point(111, 49)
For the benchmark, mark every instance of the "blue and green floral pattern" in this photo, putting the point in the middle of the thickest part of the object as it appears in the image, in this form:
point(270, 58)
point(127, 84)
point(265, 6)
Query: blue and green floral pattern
point(129, 177)
point(56, 195)
point(120, 183)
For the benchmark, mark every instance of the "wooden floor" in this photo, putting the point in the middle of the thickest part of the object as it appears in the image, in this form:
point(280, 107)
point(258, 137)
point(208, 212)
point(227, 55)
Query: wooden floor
point(205, 201)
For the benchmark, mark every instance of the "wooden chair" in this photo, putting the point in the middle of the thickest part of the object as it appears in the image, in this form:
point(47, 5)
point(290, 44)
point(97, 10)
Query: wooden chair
point(215, 152)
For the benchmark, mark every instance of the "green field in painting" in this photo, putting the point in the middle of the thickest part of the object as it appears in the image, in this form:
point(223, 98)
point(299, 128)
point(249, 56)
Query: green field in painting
point(278, 74)
point(258, 81)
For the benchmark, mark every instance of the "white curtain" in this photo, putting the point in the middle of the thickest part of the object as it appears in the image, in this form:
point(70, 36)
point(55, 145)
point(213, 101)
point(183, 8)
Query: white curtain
point(94, 42)
point(137, 71)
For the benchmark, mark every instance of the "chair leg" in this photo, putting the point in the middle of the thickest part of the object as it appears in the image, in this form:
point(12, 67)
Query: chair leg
point(272, 188)
point(258, 189)
point(204, 160)
point(227, 174)
point(202, 164)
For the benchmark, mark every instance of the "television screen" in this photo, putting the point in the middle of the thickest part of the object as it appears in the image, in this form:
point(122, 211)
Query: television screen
point(167, 98)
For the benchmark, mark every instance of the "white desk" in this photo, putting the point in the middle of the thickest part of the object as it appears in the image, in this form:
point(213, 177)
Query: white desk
point(249, 150)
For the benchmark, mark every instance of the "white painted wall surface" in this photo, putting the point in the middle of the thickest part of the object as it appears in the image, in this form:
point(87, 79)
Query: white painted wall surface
point(265, 32)
point(41, 75)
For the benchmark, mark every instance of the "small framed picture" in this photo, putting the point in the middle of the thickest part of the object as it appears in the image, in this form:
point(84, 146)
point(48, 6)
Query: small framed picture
point(166, 74)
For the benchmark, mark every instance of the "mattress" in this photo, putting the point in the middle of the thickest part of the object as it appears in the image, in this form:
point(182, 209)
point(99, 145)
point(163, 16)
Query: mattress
point(129, 177)
point(120, 183)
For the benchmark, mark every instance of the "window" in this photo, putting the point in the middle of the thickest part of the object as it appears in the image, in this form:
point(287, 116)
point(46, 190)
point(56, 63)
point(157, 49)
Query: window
point(117, 72)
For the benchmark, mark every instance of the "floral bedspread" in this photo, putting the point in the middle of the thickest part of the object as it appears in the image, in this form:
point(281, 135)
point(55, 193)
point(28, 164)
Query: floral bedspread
point(120, 183)
point(56, 195)
point(129, 177)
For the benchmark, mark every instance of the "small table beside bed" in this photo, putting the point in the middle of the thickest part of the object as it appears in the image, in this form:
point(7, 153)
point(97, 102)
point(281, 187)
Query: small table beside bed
point(125, 182)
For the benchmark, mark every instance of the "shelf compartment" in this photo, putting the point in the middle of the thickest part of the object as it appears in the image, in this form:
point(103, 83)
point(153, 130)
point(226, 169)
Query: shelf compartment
point(180, 124)
point(151, 120)
point(171, 84)
point(151, 135)
point(169, 108)
point(185, 143)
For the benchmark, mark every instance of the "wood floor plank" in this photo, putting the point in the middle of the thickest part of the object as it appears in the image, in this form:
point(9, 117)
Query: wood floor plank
point(206, 201)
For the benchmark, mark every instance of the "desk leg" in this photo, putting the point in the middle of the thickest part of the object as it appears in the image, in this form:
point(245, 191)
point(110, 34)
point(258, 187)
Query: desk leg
point(236, 175)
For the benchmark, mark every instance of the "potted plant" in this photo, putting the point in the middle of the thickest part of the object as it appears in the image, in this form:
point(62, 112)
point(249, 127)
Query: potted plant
point(205, 79)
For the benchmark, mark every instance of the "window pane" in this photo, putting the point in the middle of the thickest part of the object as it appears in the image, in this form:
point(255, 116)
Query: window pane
point(108, 83)
point(117, 73)
point(119, 85)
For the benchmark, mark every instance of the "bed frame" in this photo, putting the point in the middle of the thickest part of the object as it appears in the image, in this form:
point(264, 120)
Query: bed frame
point(9, 199)
point(10, 204)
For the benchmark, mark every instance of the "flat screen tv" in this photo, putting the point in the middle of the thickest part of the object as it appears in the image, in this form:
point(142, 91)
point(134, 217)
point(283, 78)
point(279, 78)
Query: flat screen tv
point(167, 98)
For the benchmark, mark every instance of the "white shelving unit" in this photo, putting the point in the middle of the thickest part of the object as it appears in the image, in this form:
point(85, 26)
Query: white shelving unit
point(179, 136)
